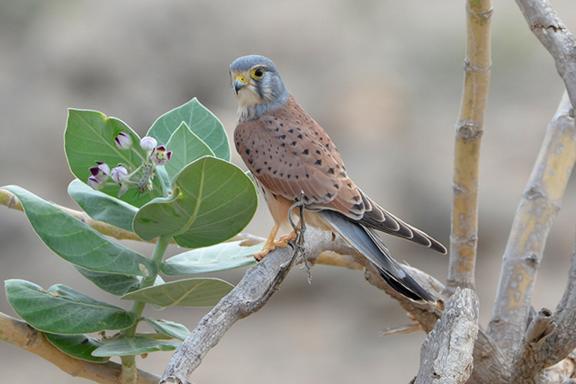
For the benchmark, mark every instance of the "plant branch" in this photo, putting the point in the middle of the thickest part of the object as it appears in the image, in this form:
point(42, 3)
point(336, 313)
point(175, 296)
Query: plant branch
point(446, 355)
point(555, 37)
point(11, 201)
point(129, 370)
point(538, 207)
point(469, 129)
point(20, 334)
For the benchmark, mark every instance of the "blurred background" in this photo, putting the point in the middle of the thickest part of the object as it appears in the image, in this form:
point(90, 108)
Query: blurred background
point(384, 78)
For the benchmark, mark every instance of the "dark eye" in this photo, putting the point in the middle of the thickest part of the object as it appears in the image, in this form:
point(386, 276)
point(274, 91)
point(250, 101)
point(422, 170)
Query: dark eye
point(257, 73)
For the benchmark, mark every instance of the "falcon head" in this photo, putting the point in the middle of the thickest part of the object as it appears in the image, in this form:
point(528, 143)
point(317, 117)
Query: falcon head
point(256, 82)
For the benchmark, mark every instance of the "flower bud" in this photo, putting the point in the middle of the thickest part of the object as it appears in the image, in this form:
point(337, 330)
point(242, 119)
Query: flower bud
point(95, 183)
point(119, 174)
point(160, 155)
point(123, 140)
point(148, 143)
point(100, 171)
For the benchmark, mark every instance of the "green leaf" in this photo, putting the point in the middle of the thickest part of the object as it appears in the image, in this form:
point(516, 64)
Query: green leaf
point(169, 328)
point(101, 206)
point(131, 346)
point(200, 120)
point(186, 147)
point(213, 200)
point(77, 242)
point(186, 293)
point(62, 310)
point(77, 346)
point(218, 257)
point(89, 138)
point(115, 284)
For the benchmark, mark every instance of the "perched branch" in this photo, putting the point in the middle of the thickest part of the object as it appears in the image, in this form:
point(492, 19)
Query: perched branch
point(446, 355)
point(550, 338)
point(252, 292)
point(536, 212)
point(259, 283)
point(469, 128)
point(555, 37)
point(20, 334)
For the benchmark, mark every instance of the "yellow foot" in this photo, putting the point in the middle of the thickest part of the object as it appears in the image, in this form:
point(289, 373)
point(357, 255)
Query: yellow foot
point(283, 241)
point(268, 247)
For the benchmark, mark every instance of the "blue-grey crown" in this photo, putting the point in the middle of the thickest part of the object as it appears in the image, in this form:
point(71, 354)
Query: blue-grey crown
point(244, 63)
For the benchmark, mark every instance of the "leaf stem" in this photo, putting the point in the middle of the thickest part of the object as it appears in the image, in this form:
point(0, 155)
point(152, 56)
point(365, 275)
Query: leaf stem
point(129, 371)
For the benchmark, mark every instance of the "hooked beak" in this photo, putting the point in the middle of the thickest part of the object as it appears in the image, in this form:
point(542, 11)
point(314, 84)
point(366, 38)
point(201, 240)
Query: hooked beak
point(239, 83)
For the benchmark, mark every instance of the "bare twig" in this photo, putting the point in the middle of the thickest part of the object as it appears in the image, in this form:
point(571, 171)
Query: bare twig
point(402, 329)
point(469, 128)
point(446, 355)
point(537, 209)
point(20, 334)
point(555, 37)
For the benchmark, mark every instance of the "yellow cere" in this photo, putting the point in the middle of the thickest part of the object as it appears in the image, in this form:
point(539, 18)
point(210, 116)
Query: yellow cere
point(240, 77)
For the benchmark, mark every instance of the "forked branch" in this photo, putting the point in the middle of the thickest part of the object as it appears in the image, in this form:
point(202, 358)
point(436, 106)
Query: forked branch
point(536, 212)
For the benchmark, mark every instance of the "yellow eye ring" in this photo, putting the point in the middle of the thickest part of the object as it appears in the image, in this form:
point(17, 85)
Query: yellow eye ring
point(257, 73)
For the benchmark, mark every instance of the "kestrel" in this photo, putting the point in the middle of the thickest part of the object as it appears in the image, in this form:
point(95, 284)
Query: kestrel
point(293, 159)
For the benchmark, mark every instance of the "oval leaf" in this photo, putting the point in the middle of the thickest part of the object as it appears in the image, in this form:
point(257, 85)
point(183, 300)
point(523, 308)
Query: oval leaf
point(200, 120)
point(131, 346)
point(169, 328)
point(89, 138)
point(115, 284)
point(77, 242)
point(77, 346)
point(62, 310)
point(101, 206)
point(218, 257)
point(185, 293)
point(213, 201)
point(186, 147)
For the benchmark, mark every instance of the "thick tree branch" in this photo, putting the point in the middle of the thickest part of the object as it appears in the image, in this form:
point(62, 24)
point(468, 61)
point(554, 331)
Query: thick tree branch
point(252, 292)
point(536, 212)
point(20, 334)
point(260, 282)
point(555, 37)
point(469, 128)
point(446, 355)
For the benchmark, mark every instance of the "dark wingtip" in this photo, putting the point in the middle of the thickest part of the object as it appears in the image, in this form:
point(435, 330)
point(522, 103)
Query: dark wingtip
point(438, 247)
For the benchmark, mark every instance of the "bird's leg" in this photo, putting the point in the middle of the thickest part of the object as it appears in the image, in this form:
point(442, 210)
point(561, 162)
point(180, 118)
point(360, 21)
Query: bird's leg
point(298, 230)
point(269, 245)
